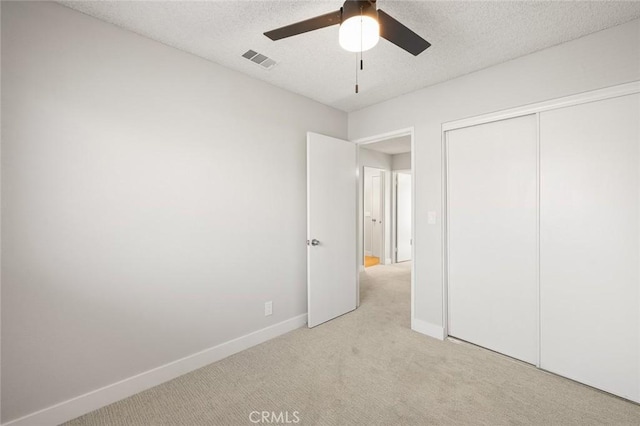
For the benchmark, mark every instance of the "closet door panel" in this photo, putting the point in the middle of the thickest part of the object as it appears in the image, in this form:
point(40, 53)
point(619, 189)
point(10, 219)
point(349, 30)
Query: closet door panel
point(492, 231)
point(589, 243)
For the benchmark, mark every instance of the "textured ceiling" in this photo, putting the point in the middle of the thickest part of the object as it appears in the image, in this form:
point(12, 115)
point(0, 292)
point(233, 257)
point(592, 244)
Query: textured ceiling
point(398, 145)
point(465, 37)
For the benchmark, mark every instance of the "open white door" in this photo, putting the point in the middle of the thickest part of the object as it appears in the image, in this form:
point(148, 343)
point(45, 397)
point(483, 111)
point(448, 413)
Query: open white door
point(376, 217)
point(331, 228)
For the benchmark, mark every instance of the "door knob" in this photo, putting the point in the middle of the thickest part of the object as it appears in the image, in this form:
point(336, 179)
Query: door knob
point(315, 242)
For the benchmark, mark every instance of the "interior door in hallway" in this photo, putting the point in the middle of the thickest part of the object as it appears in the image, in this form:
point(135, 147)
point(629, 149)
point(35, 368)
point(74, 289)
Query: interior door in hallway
point(331, 228)
point(376, 217)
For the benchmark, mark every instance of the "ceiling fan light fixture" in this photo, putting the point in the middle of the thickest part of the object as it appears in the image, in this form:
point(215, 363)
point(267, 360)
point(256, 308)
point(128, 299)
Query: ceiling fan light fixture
point(359, 33)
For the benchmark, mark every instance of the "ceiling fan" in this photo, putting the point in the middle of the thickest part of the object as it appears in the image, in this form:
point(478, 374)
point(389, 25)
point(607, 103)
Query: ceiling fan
point(361, 26)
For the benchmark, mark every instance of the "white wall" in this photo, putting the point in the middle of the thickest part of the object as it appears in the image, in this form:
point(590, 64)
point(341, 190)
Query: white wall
point(398, 162)
point(402, 224)
point(599, 60)
point(401, 161)
point(136, 180)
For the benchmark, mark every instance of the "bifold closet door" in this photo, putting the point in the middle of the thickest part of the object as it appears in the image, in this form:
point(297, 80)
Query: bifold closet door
point(590, 243)
point(492, 236)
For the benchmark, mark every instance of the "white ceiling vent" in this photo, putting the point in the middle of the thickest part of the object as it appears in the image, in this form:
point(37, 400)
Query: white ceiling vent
point(259, 59)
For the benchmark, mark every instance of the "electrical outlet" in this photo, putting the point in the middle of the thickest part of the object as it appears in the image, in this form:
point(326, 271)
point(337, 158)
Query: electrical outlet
point(268, 308)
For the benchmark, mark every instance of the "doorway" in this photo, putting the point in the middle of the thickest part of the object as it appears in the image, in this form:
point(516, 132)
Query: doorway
point(386, 211)
point(335, 212)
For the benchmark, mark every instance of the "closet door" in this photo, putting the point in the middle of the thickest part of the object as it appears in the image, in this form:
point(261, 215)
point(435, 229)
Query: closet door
point(492, 231)
point(589, 243)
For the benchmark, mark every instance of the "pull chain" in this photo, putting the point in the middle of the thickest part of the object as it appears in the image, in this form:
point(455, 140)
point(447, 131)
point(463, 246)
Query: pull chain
point(361, 61)
point(356, 72)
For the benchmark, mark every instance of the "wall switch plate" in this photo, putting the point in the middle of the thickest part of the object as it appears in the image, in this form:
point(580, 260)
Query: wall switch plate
point(268, 308)
point(431, 218)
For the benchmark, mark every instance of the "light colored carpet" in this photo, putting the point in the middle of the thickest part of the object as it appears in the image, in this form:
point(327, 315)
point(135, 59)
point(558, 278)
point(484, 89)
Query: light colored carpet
point(369, 368)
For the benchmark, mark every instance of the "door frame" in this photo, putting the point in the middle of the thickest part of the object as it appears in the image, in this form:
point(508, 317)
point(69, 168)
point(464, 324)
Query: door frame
point(536, 109)
point(383, 205)
point(394, 211)
point(408, 131)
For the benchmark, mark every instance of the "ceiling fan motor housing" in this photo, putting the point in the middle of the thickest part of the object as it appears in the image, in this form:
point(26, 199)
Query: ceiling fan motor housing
point(375, 24)
point(352, 8)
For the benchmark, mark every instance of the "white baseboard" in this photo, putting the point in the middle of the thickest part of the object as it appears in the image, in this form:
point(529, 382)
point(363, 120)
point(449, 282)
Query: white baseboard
point(93, 400)
point(388, 261)
point(431, 330)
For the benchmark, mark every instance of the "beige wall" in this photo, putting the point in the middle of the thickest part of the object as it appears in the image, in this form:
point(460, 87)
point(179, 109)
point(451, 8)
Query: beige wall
point(401, 161)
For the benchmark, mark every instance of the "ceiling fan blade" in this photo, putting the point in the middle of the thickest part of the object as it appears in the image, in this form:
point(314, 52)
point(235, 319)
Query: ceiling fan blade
point(400, 35)
point(326, 20)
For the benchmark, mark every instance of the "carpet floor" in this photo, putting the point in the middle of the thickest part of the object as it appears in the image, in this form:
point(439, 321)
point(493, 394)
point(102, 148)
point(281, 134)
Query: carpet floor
point(369, 368)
